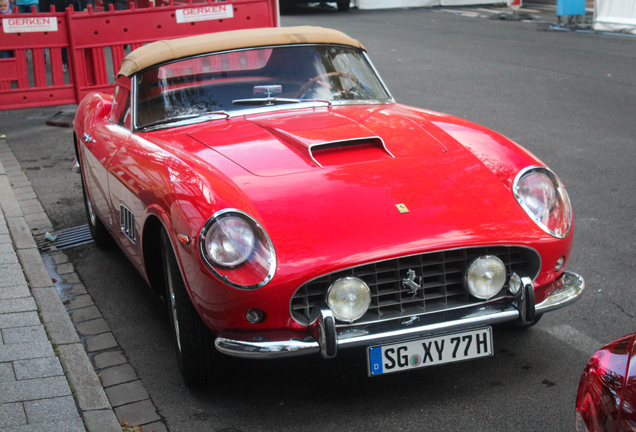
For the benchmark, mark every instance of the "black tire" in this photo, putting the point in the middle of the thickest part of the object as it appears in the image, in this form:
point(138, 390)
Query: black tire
point(99, 232)
point(197, 358)
point(343, 6)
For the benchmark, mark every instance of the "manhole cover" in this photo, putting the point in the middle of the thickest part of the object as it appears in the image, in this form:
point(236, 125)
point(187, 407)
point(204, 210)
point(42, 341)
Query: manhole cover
point(66, 238)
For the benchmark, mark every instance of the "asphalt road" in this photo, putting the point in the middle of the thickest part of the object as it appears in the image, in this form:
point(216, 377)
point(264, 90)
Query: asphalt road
point(566, 97)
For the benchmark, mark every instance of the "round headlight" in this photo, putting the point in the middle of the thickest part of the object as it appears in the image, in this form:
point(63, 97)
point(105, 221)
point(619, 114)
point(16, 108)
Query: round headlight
point(230, 241)
point(542, 195)
point(349, 298)
point(485, 277)
point(237, 250)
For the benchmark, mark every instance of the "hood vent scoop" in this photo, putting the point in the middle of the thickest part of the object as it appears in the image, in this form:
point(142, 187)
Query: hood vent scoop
point(349, 151)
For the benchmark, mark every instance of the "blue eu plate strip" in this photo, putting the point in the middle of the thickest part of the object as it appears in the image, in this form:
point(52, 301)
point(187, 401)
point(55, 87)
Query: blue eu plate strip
point(375, 360)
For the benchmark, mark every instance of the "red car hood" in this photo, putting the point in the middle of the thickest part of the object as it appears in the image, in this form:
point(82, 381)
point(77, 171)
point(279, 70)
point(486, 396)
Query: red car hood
point(423, 191)
point(300, 141)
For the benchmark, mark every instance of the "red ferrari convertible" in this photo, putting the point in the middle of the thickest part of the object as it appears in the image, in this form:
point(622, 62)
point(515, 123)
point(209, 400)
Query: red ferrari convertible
point(269, 187)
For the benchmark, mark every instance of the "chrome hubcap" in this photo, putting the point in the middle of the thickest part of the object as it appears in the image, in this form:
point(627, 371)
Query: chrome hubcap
point(173, 308)
point(91, 213)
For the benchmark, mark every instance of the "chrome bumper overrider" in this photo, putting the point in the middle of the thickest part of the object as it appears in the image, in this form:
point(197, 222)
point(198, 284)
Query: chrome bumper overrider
point(252, 345)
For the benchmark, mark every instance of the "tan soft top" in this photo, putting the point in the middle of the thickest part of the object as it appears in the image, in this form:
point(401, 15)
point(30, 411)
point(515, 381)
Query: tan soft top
point(166, 50)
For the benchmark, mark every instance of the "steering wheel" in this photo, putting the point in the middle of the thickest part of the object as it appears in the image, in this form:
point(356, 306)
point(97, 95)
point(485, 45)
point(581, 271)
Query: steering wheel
point(300, 93)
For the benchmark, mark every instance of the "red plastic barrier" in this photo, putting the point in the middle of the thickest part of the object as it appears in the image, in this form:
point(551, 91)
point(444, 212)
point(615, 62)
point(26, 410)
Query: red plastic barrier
point(25, 80)
point(98, 41)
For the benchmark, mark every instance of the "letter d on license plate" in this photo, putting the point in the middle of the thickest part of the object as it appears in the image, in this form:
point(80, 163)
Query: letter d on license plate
point(431, 351)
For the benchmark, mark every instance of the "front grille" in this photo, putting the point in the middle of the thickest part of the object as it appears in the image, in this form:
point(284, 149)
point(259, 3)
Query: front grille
point(442, 282)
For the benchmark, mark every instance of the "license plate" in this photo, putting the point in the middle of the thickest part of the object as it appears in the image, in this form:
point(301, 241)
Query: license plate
point(431, 351)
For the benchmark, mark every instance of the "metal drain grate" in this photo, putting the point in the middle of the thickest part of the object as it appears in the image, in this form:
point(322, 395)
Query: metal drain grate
point(66, 238)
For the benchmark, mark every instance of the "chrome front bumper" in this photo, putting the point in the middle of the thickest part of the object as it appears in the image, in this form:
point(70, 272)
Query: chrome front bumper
point(327, 339)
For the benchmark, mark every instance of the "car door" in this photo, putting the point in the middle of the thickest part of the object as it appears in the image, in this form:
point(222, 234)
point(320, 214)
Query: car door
point(100, 145)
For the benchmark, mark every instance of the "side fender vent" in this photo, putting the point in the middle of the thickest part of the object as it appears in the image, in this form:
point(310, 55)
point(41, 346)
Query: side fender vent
point(127, 223)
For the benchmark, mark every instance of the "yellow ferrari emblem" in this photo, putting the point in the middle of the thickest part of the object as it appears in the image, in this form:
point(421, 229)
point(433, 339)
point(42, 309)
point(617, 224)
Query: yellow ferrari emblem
point(402, 208)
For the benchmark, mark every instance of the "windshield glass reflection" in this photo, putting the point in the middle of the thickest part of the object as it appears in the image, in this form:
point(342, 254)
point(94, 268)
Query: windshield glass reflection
point(244, 79)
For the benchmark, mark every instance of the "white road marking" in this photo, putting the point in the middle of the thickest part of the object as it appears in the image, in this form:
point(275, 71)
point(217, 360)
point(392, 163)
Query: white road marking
point(574, 338)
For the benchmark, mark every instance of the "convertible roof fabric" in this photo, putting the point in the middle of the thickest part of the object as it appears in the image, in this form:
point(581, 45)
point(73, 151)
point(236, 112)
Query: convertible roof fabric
point(166, 50)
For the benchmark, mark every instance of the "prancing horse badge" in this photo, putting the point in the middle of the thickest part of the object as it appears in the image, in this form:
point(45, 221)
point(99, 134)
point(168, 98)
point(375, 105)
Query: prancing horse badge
point(402, 208)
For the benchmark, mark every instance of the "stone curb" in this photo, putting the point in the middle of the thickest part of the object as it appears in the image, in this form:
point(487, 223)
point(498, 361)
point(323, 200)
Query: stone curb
point(90, 396)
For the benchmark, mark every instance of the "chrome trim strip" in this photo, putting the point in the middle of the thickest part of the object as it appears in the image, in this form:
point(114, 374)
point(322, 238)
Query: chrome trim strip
point(573, 287)
point(386, 89)
point(275, 349)
point(388, 332)
point(480, 317)
point(133, 103)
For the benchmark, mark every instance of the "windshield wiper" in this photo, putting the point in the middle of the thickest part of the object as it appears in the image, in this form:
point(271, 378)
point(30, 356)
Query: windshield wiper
point(185, 117)
point(276, 101)
point(266, 101)
point(169, 120)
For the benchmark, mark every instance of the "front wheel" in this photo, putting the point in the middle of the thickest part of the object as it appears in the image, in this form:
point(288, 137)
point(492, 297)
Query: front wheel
point(197, 358)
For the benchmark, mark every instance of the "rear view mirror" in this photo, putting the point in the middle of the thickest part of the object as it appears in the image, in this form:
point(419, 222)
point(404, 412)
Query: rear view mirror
point(268, 90)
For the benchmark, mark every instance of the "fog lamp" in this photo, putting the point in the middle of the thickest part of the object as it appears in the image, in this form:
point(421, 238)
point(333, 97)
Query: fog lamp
point(514, 284)
point(559, 264)
point(485, 276)
point(349, 298)
point(254, 316)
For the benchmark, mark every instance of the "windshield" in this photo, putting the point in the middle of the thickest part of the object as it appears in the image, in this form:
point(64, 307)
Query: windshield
point(253, 78)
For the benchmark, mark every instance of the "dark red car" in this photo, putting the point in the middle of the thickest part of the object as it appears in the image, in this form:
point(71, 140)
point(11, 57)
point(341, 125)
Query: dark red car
point(266, 183)
point(606, 400)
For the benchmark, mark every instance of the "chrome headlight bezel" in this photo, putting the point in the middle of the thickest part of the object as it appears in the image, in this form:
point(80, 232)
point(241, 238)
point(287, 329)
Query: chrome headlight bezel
point(262, 254)
point(560, 194)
